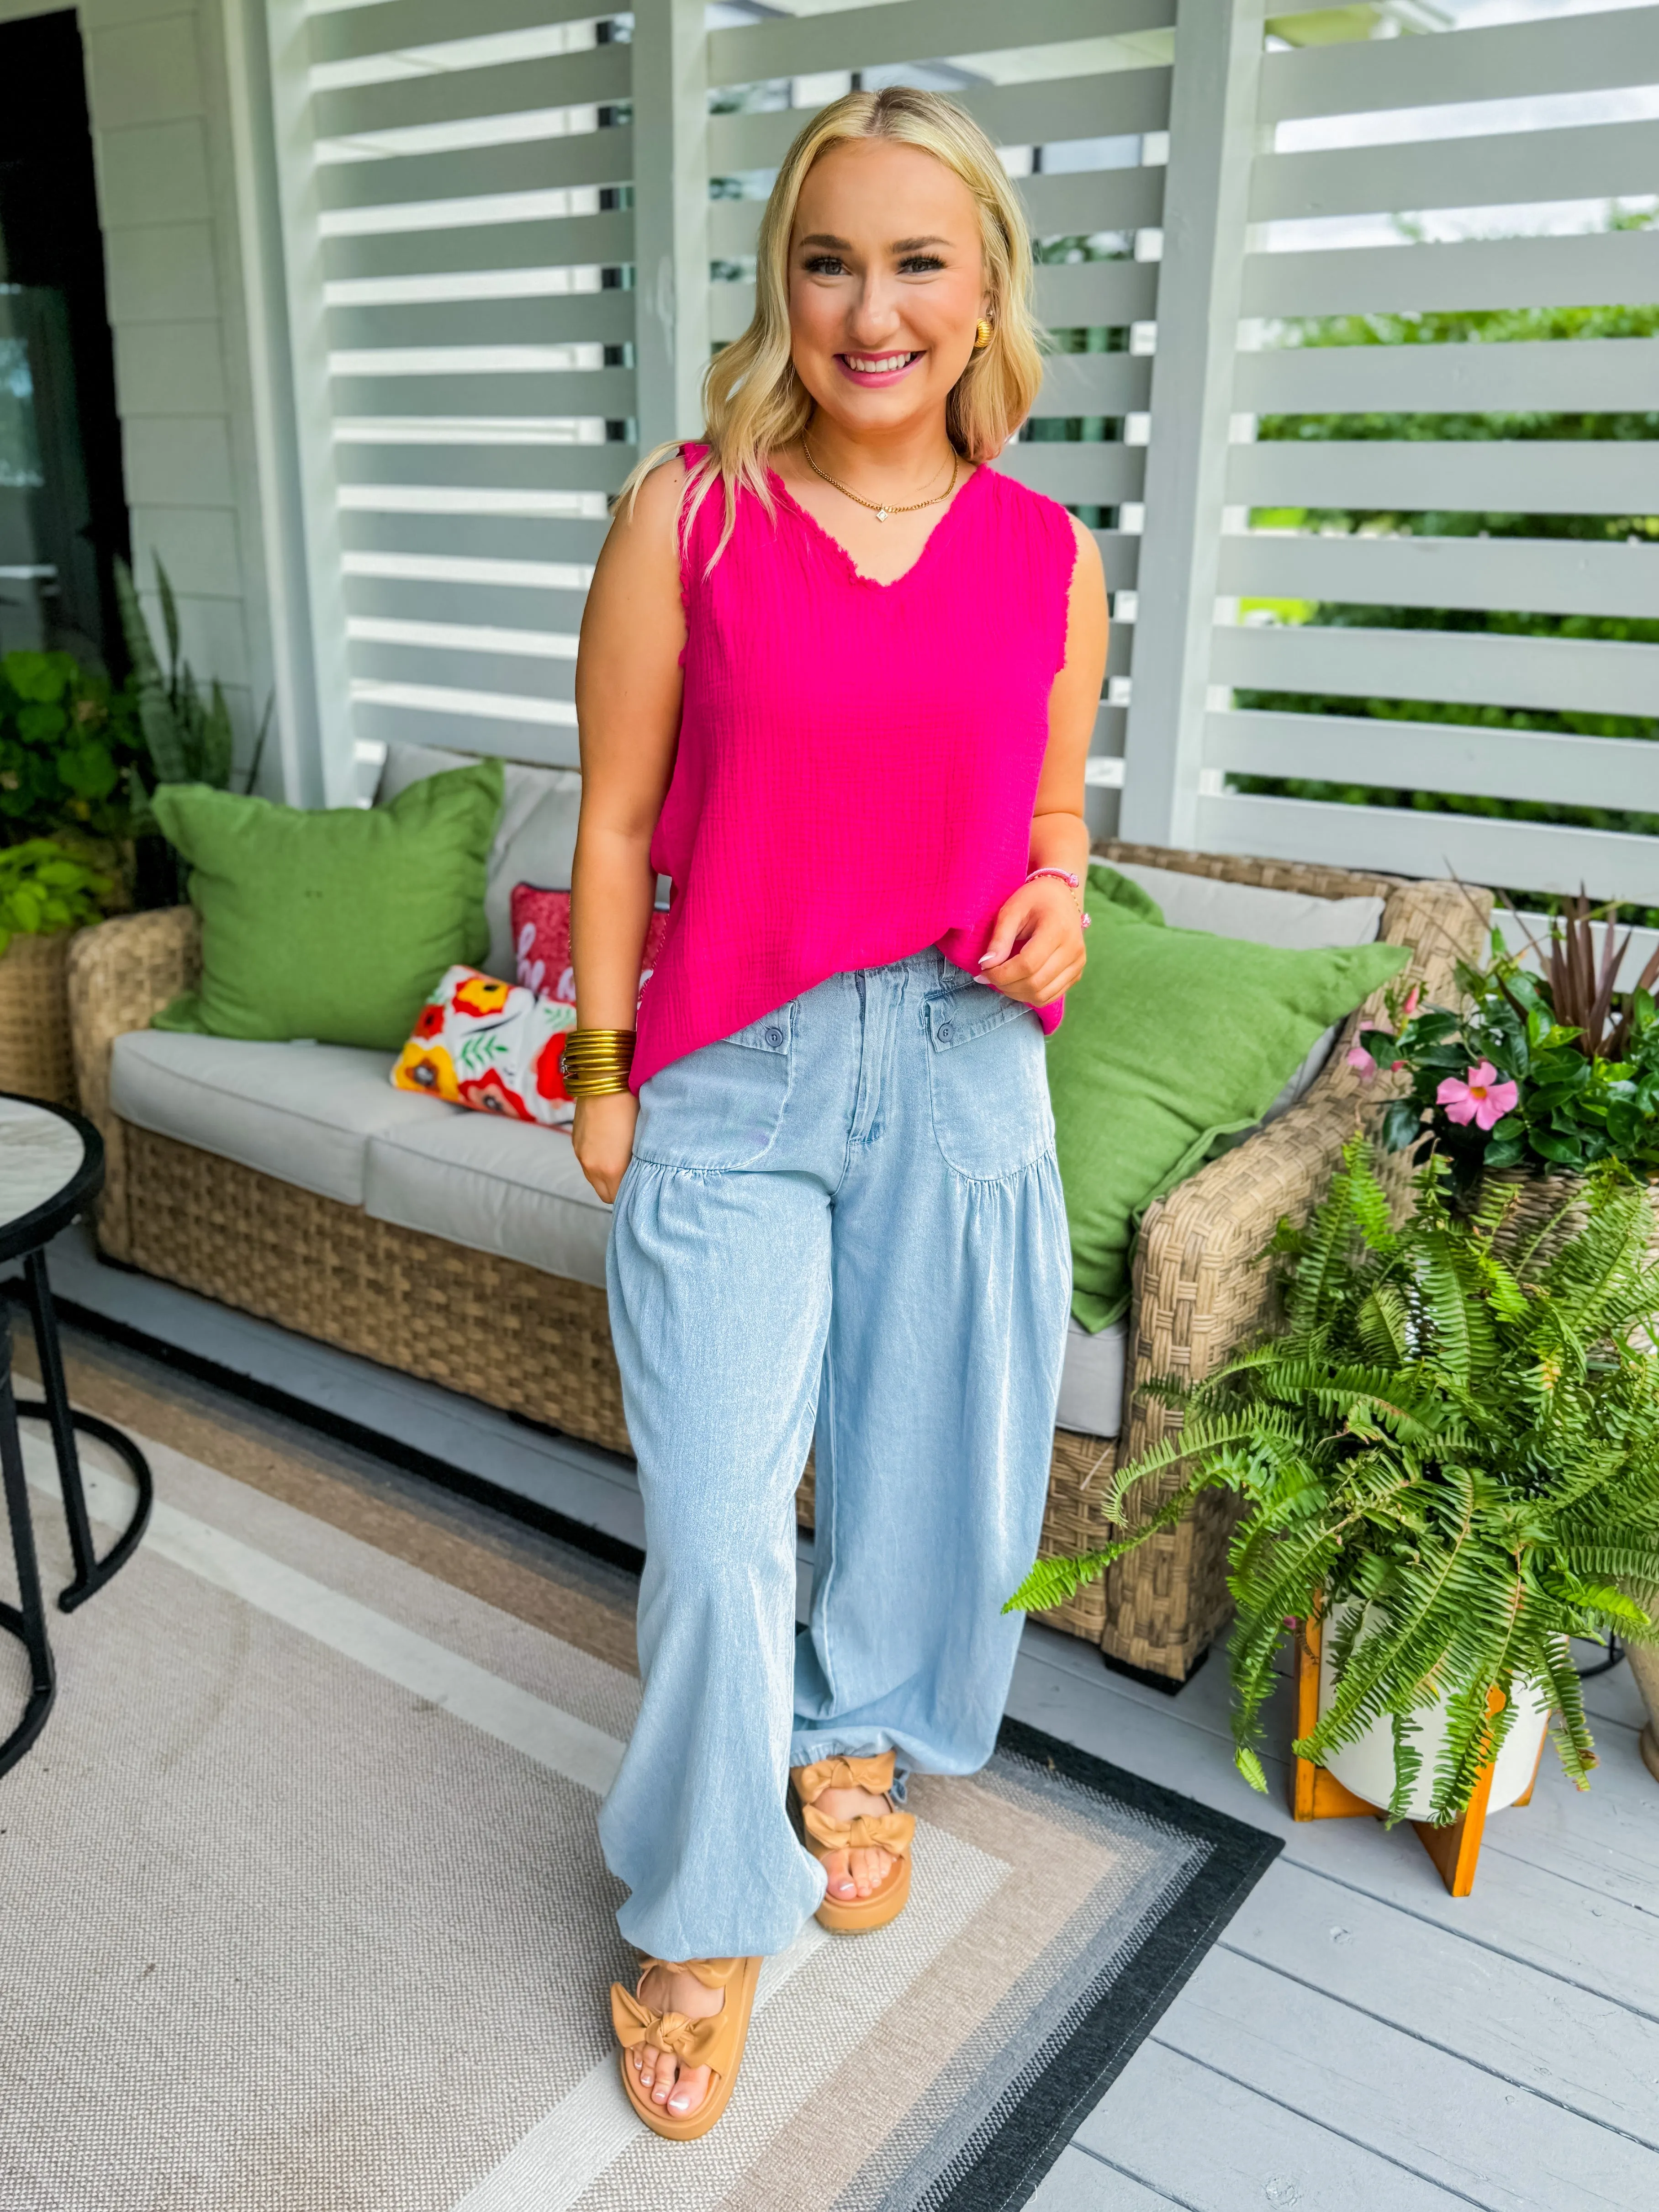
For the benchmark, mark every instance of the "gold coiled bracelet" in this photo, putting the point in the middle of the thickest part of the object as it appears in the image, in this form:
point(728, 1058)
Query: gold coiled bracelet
point(595, 1062)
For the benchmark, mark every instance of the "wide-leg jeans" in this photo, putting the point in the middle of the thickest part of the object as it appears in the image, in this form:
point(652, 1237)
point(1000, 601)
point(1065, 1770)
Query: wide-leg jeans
point(844, 1221)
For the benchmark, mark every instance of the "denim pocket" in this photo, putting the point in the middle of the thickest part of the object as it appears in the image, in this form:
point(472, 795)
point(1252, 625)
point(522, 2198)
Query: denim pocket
point(989, 1082)
point(722, 1106)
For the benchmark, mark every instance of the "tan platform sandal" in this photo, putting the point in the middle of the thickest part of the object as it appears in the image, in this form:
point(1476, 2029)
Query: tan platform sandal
point(716, 2042)
point(885, 1831)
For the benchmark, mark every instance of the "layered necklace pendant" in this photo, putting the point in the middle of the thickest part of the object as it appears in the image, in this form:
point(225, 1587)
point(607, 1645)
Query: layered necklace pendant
point(881, 514)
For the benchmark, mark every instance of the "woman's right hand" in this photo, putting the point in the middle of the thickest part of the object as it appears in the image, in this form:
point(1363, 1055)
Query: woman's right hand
point(602, 1137)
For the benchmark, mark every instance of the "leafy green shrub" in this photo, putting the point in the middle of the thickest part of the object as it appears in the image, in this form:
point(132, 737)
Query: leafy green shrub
point(68, 740)
point(1466, 1449)
point(44, 888)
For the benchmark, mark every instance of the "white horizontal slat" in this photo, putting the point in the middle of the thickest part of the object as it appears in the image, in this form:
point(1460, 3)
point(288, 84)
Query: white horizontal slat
point(515, 396)
point(1554, 769)
point(404, 599)
point(605, 318)
point(535, 165)
point(1079, 475)
point(467, 537)
point(1580, 376)
point(1080, 201)
point(921, 30)
point(344, 35)
point(1095, 384)
point(1459, 666)
point(569, 241)
point(1575, 53)
point(510, 469)
point(1526, 576)
point(1531, 856)
point(578, 80)
point(1114, 104)
point(517, 675)
point(1590, 162)
point(1075, 295)
point(1598, 270)
point(1530, 476)
point(439, 721)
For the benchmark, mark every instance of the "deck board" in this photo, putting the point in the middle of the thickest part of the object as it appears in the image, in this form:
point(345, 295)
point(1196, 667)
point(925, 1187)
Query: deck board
point(1419, 2104)
point(1209, 2143)
point(1526, 2027)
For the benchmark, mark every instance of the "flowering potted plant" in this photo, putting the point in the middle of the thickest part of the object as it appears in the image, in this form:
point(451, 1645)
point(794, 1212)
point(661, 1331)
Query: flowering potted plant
point(1545, 1072)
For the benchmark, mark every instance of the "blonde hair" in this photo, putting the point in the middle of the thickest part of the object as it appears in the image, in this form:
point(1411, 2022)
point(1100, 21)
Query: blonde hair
point(754, 404)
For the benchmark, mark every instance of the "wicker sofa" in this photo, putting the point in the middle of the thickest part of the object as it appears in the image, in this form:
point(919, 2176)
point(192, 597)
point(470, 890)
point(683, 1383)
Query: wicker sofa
point(538, 1343)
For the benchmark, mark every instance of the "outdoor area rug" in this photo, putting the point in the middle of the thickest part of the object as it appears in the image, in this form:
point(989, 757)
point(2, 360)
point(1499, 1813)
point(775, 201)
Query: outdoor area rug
point(304, 1910)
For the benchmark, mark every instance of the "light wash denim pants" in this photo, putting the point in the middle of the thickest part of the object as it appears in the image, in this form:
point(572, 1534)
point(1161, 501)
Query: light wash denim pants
point(847, 1217)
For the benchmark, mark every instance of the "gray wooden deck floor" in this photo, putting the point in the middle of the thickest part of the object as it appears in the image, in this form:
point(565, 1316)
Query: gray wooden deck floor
point(1357, 2041)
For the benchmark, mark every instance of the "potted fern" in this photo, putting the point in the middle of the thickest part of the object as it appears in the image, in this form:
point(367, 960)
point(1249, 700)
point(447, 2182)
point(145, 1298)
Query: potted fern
point(1453, 1455)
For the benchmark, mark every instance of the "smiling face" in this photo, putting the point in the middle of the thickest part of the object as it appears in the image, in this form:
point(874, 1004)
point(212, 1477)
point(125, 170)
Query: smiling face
point(885, 284)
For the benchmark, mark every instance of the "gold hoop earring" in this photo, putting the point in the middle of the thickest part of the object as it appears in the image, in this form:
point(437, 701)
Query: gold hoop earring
point(982, 335)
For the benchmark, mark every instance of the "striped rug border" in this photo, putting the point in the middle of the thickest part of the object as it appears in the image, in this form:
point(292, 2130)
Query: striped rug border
point(1130, 1996)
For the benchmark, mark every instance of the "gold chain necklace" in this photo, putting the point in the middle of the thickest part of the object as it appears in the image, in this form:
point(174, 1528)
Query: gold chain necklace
point(881, 513)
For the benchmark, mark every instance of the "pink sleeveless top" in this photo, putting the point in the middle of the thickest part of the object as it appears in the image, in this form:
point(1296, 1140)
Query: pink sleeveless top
point(858, 761)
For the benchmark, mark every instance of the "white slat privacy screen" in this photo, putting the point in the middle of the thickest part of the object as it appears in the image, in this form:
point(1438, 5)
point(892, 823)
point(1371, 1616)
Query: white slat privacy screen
point(472, 175)
point(1356, 376)
point(1434, 584)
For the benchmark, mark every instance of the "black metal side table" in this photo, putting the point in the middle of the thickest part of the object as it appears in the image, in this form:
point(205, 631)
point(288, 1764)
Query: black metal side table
point(52, 1167)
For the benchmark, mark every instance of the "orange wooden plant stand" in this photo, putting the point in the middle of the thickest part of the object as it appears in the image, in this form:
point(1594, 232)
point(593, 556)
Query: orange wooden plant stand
point(1315, 1794)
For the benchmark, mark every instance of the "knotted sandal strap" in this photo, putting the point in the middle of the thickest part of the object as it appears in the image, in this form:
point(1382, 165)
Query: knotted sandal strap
point(875, 1775)
point(693, 2042)
point(880, 1832)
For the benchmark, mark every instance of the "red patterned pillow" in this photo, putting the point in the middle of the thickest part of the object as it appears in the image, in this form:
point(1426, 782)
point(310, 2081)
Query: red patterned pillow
point(541, 942)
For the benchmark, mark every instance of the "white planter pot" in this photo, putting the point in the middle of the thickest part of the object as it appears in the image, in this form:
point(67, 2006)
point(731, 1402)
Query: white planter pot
point(1366, 1766)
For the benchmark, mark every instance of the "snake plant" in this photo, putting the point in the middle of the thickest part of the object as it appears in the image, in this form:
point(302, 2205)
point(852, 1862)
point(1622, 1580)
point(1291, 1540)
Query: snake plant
point(1451, 1445)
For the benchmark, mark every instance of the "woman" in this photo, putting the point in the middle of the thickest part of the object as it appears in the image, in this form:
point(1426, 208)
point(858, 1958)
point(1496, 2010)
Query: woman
point(837, 680)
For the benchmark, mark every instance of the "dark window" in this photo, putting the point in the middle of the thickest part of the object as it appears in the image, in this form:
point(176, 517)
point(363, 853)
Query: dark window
point(63, 506)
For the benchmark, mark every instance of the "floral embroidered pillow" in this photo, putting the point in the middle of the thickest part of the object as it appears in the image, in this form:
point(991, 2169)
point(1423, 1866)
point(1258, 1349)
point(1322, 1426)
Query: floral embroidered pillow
point(492, 1046)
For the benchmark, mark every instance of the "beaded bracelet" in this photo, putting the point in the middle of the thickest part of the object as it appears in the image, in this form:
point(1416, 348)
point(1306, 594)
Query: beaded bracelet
point(1065, 876)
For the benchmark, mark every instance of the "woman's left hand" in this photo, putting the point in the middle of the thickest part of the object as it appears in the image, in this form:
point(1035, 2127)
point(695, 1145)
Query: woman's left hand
point(1036, 950)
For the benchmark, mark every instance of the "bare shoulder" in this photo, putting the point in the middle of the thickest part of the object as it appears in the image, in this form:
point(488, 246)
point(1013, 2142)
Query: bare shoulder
point(1089, 572)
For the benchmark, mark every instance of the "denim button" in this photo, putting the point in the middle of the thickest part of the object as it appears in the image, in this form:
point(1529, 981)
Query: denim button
point(945, 1032)
point(774, 1037)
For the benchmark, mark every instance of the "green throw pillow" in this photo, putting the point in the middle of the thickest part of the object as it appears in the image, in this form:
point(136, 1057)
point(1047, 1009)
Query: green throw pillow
point(1172, 1038)
point(332, 924)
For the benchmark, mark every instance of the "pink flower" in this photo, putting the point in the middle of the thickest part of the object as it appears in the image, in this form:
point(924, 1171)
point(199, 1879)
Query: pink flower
point(1483, 1099)
point(1360, 1059)
point(1412, 999)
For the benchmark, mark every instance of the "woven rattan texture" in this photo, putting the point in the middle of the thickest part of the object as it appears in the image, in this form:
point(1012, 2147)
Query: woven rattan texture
point(1546, 1213)
point(119, 975)
point(35, 1057)
point(1198, 1292)
point(531, 1343)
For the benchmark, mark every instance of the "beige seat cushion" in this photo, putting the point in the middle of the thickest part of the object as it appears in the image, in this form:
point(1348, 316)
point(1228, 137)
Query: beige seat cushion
point(510, 1187)
point(303, 1113)
point(1092, 1380)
